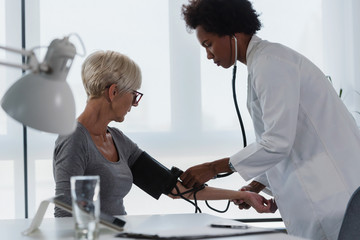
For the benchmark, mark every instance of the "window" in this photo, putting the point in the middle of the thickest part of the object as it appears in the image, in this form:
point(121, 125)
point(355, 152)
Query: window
point(11, 132)
point(2, 70)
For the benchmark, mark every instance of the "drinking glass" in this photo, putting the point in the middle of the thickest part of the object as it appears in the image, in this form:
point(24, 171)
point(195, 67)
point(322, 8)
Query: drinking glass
point(86, 206)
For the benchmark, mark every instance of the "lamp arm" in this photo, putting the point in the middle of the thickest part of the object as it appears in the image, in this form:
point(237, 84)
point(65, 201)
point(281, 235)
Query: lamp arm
point(22, 66)
point(32, 62)
point(20, 51)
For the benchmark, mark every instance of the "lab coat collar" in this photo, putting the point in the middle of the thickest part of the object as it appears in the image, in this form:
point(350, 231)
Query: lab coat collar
point(255, 40)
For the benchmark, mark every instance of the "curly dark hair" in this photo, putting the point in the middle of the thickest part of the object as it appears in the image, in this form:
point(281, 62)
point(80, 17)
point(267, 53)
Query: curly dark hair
point(222, 17)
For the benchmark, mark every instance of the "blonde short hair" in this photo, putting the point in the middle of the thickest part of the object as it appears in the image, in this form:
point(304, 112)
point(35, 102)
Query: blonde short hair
point(101, 69)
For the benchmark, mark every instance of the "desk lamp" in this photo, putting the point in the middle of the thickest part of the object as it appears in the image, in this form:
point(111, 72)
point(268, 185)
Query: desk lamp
point(42, 99)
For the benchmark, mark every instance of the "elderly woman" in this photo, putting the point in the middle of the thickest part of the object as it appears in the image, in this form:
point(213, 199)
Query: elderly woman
point(111, 81)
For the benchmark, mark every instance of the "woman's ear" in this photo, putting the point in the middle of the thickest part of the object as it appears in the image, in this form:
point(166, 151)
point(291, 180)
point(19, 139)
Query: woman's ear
point(112, 91)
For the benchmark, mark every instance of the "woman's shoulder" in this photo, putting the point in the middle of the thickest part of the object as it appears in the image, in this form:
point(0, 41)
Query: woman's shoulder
point(115, 130)
point(72, 148)
point(117, 133)
point(121, 139)
point(77, 137)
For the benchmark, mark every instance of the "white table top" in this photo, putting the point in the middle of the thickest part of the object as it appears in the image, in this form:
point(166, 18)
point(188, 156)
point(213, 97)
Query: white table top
point(63, 228)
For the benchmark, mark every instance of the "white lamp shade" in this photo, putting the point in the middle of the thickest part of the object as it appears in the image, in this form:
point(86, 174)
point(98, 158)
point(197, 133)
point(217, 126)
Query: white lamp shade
point(41, 103)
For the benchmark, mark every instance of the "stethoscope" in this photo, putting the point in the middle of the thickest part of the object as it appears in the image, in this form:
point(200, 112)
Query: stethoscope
point(235, 98)
point(236, 104)
point(240, 121)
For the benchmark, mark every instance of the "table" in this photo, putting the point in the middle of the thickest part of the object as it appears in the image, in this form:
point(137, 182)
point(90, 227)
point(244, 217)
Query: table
point(63, 228)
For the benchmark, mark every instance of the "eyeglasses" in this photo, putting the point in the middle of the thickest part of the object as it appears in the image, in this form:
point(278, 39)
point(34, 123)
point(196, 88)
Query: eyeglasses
point(137, 97)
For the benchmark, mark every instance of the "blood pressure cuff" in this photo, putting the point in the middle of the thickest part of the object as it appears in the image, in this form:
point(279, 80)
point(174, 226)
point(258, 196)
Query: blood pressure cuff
point(153, 177)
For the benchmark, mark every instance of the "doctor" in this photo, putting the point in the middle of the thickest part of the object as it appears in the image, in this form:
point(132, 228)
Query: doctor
point(307, 148)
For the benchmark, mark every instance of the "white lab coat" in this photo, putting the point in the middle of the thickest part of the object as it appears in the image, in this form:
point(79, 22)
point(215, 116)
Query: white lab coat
point(307, 148)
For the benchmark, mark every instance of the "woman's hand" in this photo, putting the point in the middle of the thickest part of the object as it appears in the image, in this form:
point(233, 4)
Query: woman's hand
point(258, 202)
point(254, 186)
point(241, 203)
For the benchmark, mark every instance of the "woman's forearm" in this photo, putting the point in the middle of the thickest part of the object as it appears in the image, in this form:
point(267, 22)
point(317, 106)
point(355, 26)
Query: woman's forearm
point(211, 193)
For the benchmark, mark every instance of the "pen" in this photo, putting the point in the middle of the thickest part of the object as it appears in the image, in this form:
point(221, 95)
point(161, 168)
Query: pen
point(229, 226)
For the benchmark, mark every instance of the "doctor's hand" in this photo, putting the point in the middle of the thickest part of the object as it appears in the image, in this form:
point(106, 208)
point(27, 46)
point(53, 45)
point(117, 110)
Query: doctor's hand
point(197, 175)
point(259, 203)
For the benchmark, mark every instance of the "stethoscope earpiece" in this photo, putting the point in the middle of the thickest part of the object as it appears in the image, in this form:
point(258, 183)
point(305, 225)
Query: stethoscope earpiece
point(235, 40)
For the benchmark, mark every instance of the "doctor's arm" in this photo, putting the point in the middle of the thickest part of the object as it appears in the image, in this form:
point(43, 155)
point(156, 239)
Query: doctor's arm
point(258, 202)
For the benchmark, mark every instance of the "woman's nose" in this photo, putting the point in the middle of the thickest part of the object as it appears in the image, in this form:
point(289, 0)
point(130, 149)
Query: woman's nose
point(209, 54)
